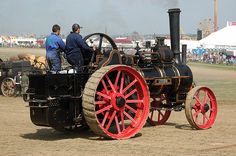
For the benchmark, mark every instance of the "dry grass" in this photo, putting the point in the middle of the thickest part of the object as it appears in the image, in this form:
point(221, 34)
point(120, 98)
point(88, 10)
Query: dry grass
point(221, 81)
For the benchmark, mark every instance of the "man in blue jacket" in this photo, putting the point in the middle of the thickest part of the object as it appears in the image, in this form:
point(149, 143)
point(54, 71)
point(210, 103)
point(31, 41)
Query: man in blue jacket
point(54, 46)
point(76, 48)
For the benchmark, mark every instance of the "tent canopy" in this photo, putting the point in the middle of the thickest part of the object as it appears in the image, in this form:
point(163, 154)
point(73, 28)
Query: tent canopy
point(223, 37)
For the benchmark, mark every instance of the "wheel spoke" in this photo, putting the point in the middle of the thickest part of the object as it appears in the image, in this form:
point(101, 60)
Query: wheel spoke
point(134, 101)
point(117, 78)
point(122, 120)
point(196, 119)
point(194, 107)
point(111, 119)
point(130, 85)
point(122, 82)
point(203, 120)
point(105, 118)
point(117, 124)
point(159, 116)
point(130, 108)
point(100, 102)
point(103, 95)
point(198, 100)
point(207, 100)
point(128, 116)
point(105, 86)
point(204, 116)
point(196, 113)
point(205, 97)
point(110, 83)
point(152, 114)
point(131, 93)
point(103, 109)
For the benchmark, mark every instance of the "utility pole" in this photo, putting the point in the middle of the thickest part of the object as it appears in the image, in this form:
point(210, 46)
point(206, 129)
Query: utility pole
point(215, 15)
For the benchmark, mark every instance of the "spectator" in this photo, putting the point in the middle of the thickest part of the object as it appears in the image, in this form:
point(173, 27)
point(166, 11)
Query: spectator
point(24, 83)
point(17, 80)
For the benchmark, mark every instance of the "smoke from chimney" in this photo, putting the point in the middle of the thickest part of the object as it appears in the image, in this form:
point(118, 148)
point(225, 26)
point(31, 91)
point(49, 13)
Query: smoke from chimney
point(166, 4)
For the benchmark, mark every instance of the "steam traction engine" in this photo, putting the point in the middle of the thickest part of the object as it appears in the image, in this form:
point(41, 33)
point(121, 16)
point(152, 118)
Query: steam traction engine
point(117, 93)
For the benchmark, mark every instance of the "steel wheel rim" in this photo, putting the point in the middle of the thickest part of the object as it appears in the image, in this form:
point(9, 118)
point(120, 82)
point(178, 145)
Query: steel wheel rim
point(157, 116)
point(8, 87)
point(202, 110)
point(118, 101)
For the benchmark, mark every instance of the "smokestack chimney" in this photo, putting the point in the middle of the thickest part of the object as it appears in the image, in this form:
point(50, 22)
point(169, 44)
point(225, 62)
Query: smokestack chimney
point(215, 15)
point(174, 32)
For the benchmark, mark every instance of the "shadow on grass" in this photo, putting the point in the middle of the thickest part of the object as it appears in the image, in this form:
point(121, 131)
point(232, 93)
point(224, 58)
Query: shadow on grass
point(178, 126)
point(49, 134)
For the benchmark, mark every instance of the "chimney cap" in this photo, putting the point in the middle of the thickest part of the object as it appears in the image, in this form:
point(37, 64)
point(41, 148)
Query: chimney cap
point(176, 10)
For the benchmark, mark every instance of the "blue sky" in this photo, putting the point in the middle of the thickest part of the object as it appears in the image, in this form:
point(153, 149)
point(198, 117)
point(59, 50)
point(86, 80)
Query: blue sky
point(118, 16)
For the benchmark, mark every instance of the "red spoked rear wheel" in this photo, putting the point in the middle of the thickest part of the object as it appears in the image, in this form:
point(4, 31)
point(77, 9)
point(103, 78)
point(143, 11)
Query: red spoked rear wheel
point(158, 112)
point(116, 102)
point(201, 108)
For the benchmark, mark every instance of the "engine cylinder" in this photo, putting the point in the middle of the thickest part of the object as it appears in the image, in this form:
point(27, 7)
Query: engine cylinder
point(170, 80)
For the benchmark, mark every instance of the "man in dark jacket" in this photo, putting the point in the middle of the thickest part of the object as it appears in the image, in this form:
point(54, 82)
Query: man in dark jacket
point(54, 46)
point(76, 48)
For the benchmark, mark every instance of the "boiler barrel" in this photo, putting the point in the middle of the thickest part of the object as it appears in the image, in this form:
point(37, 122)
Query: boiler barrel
point(169, 80)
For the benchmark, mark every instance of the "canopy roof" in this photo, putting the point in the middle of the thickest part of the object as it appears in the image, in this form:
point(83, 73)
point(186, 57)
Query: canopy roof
point(223, 37)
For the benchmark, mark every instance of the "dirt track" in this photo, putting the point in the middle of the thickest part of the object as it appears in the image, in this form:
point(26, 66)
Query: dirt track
point(18, 136)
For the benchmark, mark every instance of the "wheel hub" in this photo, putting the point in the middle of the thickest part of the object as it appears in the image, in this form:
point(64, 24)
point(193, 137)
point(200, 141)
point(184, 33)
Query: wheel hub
point(120, 101)
point(206, 107)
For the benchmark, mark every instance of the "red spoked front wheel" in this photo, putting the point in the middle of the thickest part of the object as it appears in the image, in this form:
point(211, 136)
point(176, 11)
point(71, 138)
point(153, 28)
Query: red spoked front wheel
point(201, 107)
point(158, 112)
point(116, 102)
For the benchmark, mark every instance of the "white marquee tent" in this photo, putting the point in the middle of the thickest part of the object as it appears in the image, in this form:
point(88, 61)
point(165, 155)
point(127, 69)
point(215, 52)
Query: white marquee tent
point(224, 38)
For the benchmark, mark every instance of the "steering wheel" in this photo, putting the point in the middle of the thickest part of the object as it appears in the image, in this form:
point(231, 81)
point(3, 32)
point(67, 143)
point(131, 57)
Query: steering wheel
point(100, 36)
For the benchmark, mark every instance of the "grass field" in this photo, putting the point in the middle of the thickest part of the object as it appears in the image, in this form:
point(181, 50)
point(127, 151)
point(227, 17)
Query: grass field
point(6, 53)
point(221, 79)
point(213, 66)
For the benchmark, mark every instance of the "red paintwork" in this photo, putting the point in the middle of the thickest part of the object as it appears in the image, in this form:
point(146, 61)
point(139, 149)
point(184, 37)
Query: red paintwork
point(157, 116)
point(204, 119)
point(125, 82)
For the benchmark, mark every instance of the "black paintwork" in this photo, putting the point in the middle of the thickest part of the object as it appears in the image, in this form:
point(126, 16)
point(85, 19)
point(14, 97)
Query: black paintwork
point(56, 99)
